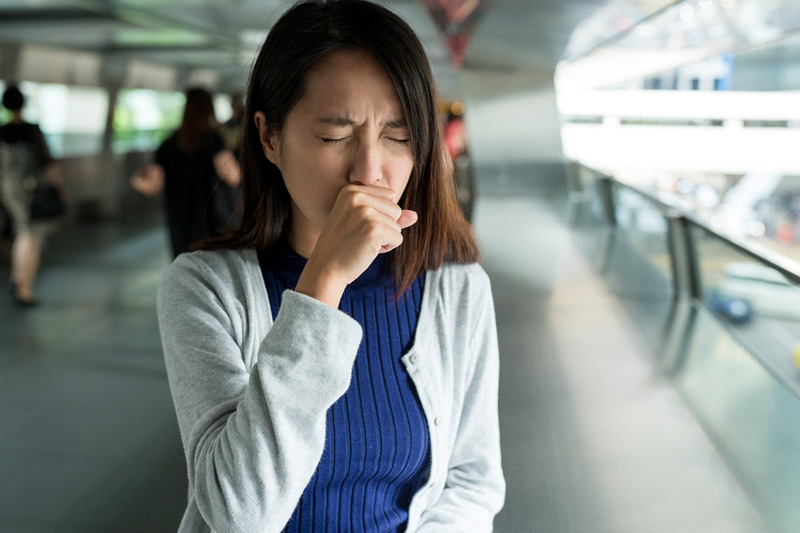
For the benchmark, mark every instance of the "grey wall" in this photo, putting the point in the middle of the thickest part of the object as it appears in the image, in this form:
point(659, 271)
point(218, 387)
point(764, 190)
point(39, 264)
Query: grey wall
point(514, 133)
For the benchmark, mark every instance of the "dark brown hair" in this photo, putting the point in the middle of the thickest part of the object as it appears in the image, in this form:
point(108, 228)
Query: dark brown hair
point(304, 35)
point(13, 99)
point(198, 118)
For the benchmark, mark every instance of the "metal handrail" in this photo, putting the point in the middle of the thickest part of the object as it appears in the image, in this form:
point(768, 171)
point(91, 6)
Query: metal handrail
point(672, 207)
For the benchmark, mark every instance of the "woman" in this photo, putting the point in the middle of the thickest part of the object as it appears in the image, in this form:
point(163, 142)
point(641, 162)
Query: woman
point(188, 167)
point(334, 362)
point(24, 162)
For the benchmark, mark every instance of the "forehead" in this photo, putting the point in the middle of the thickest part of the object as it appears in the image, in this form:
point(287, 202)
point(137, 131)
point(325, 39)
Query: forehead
point(350, 79)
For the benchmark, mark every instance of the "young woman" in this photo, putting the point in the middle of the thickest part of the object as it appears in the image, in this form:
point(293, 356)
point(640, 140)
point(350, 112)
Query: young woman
point(24, 161)
point(195, 170)
point(334, 361)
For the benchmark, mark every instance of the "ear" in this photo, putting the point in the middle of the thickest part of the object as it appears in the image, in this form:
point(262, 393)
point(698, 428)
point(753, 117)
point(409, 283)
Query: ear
point(269, 139)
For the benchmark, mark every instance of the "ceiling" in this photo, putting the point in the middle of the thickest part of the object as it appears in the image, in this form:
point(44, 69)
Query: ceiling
point(511, 39)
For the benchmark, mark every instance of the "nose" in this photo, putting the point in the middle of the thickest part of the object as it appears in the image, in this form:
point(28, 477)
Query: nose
point(366, 166)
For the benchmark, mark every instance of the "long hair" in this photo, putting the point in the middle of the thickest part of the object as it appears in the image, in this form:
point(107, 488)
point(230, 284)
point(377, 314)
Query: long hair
point(198, 118)
point(303, 36)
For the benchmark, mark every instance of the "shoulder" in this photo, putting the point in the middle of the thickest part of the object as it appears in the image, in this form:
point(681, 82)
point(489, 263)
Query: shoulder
point(462, 294)
point(463, 280)
point(30, 130)
point(169, 142)
point(214, 263)
point(213, 140)
point(218, 272)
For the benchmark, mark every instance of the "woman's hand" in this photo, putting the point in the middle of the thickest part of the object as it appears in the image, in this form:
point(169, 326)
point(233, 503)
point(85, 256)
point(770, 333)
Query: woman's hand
point(364, 222)
point(149, 179)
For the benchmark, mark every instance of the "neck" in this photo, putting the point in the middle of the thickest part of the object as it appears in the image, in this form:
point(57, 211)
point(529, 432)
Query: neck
point(16, 116)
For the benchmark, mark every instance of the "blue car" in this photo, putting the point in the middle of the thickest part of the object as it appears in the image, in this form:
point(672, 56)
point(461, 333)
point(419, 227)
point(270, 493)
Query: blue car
point(735, 310)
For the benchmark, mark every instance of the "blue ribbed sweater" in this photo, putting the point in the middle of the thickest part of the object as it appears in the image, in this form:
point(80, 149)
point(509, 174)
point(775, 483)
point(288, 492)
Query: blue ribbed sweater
point(376, 452)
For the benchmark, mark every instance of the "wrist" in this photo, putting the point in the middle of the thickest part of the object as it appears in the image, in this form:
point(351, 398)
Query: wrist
point(321, 284)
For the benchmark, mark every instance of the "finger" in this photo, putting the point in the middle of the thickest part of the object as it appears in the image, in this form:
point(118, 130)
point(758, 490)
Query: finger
point(382, 205)
point(387, 233)
point(387, 221)
point(407, 218)
point(391, 241)
point(372, 190)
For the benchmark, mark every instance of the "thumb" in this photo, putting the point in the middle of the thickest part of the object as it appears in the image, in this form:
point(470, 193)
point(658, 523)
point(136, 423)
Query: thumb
point(407, 218)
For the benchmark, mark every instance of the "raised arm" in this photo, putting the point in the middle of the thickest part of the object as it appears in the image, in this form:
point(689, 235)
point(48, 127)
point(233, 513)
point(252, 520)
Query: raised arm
point(227, 168)
point(252, 436)
point(148, 179)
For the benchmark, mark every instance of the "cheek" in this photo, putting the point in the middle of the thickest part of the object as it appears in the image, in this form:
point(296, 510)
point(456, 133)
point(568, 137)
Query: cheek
point(313, 181)
point(401, 175)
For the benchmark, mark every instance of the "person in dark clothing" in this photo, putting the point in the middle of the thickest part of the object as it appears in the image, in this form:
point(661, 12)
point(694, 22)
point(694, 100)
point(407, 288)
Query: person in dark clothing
point(189, 167)
point(25, 162)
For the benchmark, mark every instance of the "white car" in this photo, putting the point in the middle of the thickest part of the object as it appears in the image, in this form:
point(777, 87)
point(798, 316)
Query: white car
point(767, 291)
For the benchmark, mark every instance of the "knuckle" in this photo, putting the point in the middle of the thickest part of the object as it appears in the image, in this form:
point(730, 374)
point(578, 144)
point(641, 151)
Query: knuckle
point(364, 211)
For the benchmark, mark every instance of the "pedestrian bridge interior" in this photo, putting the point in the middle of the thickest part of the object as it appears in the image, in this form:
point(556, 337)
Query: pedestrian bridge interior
point(631, 399)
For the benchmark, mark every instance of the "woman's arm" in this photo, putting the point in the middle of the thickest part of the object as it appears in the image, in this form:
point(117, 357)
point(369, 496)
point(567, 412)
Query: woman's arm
point(474, 489)
point(52, 174)
point(227, 168)
point(252, 438)
point(149, 179)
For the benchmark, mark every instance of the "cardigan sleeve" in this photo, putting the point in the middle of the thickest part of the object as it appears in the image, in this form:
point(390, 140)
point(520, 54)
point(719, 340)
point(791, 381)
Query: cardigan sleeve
point(252, 437)
point(474, 489)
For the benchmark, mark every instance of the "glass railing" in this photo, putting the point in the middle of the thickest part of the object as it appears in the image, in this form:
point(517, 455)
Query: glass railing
point(724, 316)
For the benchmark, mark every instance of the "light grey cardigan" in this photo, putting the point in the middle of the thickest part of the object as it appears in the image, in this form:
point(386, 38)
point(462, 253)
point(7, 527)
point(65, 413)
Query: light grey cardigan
point(251, 395)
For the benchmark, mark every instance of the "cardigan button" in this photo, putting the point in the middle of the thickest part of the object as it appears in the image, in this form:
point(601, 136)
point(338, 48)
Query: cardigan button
point(414, 358)
point(437, 421)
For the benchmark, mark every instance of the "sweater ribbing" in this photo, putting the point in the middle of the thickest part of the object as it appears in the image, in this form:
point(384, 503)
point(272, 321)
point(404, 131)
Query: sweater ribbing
point(376, 453)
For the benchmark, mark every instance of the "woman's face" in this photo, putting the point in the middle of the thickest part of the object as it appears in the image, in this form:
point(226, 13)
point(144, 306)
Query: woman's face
point(348, 128)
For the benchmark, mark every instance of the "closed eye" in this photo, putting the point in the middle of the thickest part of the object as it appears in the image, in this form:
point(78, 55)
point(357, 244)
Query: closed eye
point(333, 140)
point(399, 141)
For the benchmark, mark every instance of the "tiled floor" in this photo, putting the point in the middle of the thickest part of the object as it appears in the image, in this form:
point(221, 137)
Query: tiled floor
point(593, 441)
point(88, 439)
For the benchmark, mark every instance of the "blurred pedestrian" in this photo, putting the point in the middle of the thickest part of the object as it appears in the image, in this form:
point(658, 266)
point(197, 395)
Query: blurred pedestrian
point(189, 167)
point(25, 166)
point(231, 130)
point(227, 199)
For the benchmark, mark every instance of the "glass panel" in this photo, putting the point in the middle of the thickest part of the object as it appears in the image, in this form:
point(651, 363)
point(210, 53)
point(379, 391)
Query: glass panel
point(591, 214)
point(756, 301)
point(644, 227)
point(143, 118)
point(72, 119)
point(749, 416)
point(637, 267)
point(5, 116)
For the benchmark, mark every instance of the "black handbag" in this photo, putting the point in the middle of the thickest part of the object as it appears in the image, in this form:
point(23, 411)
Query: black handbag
point(46, 202)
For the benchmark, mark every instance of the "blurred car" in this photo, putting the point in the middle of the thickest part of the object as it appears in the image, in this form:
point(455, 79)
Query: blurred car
point(735, 310)
point(766, 290)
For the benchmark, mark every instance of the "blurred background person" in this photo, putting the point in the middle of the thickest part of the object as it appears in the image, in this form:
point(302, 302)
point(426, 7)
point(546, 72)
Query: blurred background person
point(25, 167)
point(455, 138)
point(227, 198)
point(231, 129)
point(191, 167)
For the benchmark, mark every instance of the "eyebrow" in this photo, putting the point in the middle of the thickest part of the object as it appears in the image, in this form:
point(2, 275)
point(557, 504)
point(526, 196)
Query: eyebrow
point(335, 121)
point(344, 121)
point(397, 123)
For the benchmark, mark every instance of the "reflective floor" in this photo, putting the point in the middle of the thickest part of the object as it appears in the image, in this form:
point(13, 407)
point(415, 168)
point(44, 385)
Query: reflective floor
point(593, 439)
point(89, 441)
